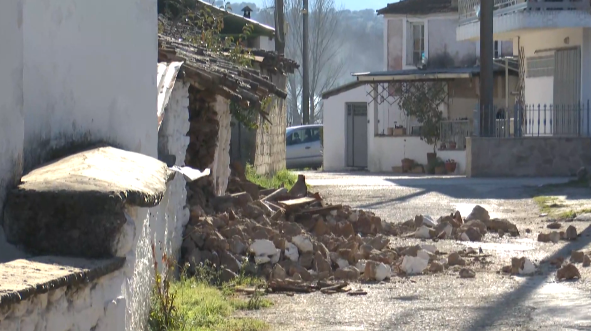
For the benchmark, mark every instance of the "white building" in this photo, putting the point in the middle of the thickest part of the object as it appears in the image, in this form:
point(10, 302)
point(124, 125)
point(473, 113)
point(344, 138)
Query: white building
point(363, 124)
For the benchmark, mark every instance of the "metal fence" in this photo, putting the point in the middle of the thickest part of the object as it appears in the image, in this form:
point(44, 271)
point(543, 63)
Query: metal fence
point(454, 132)
point(533, 121)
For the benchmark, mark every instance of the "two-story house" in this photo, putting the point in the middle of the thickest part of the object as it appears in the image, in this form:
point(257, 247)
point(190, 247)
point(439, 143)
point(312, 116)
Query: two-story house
point(365, 127)
point(552, 40)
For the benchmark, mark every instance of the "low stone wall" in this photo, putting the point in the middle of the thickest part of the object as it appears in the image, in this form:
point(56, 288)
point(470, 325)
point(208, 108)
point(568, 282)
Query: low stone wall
point(526, 157)
point(62, 294)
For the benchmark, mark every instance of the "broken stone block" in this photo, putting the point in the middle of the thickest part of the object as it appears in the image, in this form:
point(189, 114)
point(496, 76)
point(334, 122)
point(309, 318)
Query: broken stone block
point(497, 224)
point(307, 260)
point(522, 266)
point(586, 261)
point(278, 272)
point(554, 225)
point(379, 242)
point(455, 259)
point(228, 261)
point(571, 233)
point(347, 273)
point(321, 265)
point(435, 267)
point(478, 213)
point(264, 251)
point(544, 237)
point(227, 275)
point(320, 228)
point(467, 273)
point(291, 252)
point(577, 257)
point(412, 265)
point(376, 271)
point(477, 224)
point(568, 272)
point(423, 233)
point(473, 234)
point(303, 243)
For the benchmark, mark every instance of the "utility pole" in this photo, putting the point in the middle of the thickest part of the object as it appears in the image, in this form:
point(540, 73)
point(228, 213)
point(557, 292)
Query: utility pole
point(279, 27)
point(306, 78)
point(486, 67)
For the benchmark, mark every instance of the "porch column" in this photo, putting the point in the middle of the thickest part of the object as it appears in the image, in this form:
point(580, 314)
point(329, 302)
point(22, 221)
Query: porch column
point(586, 82)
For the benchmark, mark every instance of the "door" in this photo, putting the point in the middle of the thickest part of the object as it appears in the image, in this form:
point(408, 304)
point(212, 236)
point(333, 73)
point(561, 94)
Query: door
point(567, 92)
point(356, 135)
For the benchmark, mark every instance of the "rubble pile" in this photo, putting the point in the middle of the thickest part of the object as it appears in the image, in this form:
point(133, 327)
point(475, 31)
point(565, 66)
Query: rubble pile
point(556, 236)
point(473, 228)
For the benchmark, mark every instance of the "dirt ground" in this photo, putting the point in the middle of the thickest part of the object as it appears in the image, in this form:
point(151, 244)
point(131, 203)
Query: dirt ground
point(491, 301)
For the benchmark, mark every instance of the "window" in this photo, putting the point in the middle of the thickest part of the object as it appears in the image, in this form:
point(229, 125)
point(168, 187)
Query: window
point(415, 43)
point(540, 66)
point(303, 136)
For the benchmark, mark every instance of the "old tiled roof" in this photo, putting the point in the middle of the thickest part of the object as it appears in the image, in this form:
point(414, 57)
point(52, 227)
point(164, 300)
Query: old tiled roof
point(419, 7)
point(207, 70)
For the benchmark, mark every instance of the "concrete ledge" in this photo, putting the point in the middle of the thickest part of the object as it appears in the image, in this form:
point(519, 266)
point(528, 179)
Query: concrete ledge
point(22, 279)
point(75, 206)
point(527, 156)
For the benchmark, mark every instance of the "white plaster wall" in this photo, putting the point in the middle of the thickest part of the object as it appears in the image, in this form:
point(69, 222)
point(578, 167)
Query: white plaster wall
point(458, 155)
point(96, 306)
point(173, 214)
point(387, 152)
point(540, 90)
point(89, 74)
point(335, 127)
point(11, 107)
point(221, 163)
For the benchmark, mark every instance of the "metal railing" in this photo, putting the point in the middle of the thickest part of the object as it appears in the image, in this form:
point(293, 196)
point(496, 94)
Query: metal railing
point(467, 8)
point(534, 121)
point(455, 131)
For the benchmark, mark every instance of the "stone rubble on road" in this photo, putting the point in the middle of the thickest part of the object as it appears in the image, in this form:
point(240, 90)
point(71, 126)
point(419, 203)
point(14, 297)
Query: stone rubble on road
point(300, 243)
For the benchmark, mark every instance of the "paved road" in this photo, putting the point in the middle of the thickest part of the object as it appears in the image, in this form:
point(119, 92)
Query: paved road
point(443, 301)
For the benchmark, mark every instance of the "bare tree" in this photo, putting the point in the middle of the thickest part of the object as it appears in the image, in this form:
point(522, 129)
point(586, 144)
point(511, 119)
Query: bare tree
point(325, 44)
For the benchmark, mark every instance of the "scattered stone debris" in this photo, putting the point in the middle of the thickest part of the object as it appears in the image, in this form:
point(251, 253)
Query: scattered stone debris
point(577, 257)
point(571, 233)
point(586, 261)
point(568, 272)
point(553, 236)
point(467, 273)
point(554, 225)
point(520, 266)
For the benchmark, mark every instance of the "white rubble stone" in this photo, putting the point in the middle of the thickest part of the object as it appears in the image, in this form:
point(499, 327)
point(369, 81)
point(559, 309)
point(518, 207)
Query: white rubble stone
point(382, 272)
point(528, 268)
point(303, 243)
point(422, 233)
point(291, 252)
point(428, 221)
point(342, 263)
point(412, 265)
point(264, 251)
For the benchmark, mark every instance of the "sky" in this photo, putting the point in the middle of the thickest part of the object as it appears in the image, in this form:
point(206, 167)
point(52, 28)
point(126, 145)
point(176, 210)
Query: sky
point(350, 4)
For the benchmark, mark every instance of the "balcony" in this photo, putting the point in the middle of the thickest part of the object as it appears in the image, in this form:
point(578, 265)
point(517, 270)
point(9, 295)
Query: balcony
point(511, 16)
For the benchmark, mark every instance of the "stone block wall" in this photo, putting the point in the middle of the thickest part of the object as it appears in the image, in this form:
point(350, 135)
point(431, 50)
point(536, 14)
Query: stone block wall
point(526, 157)
point(265, 146)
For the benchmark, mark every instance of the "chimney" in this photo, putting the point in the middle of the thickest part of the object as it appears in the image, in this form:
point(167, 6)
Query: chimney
point(246, 10)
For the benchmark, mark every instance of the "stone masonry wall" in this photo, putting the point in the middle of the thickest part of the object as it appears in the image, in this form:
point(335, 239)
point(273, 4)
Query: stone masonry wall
point(270, 138)
point(526, 157)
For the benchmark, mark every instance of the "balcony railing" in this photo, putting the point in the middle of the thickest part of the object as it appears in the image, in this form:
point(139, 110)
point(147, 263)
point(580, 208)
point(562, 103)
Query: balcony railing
point(467, 8)
point(455, 132)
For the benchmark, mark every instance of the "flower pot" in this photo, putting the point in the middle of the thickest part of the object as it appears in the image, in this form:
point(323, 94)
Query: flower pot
point(440, 170)
point(431, 157)
point(390, 131)
point(451, 167)
point(407, 165)
point(452, 145)
point(400, 131)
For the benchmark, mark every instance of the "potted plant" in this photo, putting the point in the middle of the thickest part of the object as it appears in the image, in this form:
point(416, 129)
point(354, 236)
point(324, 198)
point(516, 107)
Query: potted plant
point(440, 168)
point(422, 101)
point(399, 130)
point(407, 164)
point(450, 166)
point(451, 145)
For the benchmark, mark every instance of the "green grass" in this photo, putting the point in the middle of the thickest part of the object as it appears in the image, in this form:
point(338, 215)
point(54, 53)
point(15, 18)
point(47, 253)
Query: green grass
point(285, 177)
point(552, 206)
point(206, 307)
